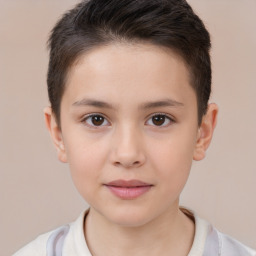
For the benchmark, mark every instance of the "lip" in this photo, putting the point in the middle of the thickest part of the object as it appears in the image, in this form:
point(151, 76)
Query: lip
point(128, 189)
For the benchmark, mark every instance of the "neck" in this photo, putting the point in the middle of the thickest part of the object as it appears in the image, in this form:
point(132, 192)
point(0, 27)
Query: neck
point(171, 233)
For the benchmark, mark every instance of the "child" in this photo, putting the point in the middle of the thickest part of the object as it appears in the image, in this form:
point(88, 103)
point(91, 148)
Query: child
point(129, 83)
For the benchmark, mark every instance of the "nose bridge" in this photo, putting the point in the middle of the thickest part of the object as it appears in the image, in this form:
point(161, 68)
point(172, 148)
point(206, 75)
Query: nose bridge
point(127, 146)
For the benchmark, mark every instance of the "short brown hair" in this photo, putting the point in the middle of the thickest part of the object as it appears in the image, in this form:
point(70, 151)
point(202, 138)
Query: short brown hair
point(93, 23)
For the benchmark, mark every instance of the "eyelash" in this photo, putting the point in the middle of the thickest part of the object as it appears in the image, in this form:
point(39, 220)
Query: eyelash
point(170, 119)
point(92, 115)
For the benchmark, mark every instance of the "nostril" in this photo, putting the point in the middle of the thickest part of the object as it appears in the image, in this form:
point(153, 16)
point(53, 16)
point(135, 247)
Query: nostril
point(127, 165)
point(136, 163)
point(117, 163)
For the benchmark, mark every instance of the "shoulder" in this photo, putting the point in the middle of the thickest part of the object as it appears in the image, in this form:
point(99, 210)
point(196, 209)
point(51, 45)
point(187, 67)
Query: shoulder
point(221, 244)
point(59, 240)
point(46, 244)
point(35, 248)
point(208, 241)
point(230, 246)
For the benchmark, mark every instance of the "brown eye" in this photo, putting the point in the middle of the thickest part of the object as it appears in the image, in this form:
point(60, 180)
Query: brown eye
point(95, 120)
point(159, 120)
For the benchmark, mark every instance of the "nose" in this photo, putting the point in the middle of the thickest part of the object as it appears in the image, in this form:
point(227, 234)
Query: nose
point(127, 148)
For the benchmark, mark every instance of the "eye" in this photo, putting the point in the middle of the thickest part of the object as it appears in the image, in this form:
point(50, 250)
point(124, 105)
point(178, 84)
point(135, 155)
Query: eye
point(95, 120)
point(160, 120)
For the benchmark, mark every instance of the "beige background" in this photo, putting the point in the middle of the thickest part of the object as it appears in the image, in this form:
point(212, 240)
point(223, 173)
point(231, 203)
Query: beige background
point(37, 194)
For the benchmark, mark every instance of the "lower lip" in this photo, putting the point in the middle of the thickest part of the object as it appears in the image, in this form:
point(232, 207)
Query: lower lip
point(129, 193)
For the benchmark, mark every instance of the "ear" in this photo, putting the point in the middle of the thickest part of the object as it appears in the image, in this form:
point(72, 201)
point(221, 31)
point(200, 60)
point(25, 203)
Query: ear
point(205, 132)
point(55, 133)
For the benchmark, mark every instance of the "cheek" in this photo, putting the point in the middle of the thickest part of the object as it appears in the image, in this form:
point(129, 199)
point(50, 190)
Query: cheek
point(173, 157)
point(173, 173)
point(86, 159)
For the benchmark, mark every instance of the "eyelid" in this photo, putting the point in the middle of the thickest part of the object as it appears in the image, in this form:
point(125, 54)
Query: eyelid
point(84, 118)
point(171, 119)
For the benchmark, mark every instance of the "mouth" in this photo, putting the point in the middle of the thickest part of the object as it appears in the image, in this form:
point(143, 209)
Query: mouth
point(128, 189)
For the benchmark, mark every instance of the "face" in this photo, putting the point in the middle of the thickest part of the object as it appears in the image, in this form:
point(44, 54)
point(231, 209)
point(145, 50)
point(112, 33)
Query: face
point(129, 131)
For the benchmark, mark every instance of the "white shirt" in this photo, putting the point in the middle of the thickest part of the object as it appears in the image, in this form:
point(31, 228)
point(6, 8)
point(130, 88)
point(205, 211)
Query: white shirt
point(69, 240)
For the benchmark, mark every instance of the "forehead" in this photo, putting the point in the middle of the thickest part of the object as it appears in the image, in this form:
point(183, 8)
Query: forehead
point(127, 53)
point(124, 68)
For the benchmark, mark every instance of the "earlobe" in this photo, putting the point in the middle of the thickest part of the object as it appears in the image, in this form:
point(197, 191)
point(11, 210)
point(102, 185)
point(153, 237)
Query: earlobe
point(55, 133)
point(205, 132)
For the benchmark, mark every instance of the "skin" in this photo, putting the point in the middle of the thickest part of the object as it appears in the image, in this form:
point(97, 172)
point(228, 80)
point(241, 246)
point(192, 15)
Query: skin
point(130, 144)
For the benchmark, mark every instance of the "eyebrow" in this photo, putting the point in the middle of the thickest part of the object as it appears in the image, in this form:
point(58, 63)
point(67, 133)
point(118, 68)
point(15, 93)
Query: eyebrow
point(144, 106)
point(94, 103)
point(161, 103)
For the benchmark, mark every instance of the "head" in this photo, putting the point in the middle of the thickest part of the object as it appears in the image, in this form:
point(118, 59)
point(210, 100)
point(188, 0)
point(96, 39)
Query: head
point(170, 24)
point(129, 83)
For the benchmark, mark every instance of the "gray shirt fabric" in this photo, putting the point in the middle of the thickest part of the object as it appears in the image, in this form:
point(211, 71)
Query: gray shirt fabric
point(69, 240)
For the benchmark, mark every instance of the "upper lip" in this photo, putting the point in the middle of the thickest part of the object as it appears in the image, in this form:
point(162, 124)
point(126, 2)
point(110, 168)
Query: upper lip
point(128, 183)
